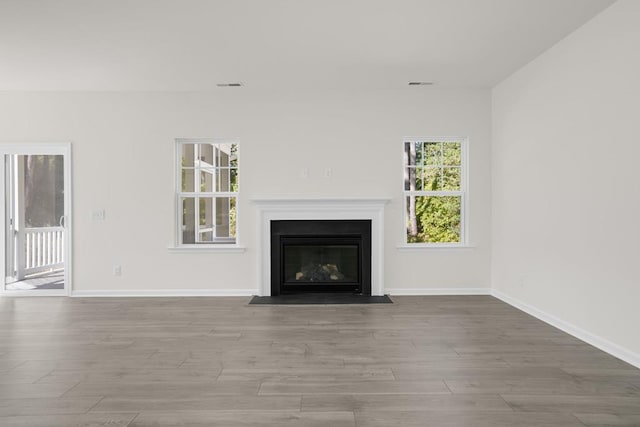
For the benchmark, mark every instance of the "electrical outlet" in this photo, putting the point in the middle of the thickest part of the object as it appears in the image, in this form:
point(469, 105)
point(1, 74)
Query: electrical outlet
point(328, 172)
point(117, 270)
point(304, 173)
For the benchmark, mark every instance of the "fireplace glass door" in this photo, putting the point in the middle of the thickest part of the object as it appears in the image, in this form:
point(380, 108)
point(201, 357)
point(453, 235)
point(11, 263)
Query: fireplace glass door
point(325, 256)
point(321, 264)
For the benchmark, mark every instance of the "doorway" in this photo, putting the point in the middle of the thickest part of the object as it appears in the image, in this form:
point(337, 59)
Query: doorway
point(36, 220)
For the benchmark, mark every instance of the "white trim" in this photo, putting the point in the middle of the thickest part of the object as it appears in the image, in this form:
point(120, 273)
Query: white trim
point(434, 247)
point(68, 224)
point(166, 293)
point(439, 291)
point(219, 248)
point(595, 340)
point(433, 138)
point(29, 148)
point(283, 202)
point(43, 148)
point(273, 209)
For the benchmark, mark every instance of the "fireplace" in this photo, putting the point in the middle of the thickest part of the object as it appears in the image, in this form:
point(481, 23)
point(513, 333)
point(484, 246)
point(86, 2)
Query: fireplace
point(301, 209)
point(321, 256)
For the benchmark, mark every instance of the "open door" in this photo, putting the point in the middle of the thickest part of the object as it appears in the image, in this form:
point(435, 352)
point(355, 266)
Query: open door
point(36, 219)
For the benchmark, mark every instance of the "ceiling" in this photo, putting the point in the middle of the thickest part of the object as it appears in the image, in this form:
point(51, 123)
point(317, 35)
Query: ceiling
point(191, 45)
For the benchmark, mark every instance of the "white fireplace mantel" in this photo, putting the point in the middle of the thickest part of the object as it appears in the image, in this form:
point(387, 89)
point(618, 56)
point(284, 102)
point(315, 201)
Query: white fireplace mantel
point(276, 209)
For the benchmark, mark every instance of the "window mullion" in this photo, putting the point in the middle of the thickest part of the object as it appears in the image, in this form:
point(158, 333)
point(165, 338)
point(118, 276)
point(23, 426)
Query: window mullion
point(196, 211)
point(434, 193)
point(196, 168)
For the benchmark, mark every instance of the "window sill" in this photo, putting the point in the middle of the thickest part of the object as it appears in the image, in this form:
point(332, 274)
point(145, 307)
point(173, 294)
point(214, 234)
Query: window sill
point(219, 248)
point(423, 247)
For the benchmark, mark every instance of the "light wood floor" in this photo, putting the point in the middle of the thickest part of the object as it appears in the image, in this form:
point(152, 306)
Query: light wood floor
point(423, 361)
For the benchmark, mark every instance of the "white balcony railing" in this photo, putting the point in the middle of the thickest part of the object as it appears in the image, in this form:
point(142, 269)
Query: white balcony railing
point(43, 249)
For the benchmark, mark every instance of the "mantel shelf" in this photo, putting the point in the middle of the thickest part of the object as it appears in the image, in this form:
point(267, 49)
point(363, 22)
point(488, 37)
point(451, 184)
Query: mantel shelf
point(315, 202)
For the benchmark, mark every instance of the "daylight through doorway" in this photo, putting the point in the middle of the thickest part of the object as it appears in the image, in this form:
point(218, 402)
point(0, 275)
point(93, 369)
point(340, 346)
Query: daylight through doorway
point(35, 235)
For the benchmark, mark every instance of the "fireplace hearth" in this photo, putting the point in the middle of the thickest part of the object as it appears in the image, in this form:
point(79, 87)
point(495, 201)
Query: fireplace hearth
point(320, 256)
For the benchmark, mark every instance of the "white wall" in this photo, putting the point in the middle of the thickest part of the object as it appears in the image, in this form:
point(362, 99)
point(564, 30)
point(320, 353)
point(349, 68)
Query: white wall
point(123, 158)
point(566, 200)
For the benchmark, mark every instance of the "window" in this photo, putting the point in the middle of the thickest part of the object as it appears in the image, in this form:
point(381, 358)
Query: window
point(435, 191)
point(207, 183)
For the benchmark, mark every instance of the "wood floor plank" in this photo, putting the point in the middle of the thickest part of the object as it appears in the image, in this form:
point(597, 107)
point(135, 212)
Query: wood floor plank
point(461, 419)
point(80, 420)
point(549, 386)
point(602, 420)
point(164, 390)
point(244, 419)
point(128, 375)
point(603, 404)
point(404, 402)
point(294, 386)
point(447, 373)
point(213, 403)
point(308, 374)
point(34, 391)
point(46, 406)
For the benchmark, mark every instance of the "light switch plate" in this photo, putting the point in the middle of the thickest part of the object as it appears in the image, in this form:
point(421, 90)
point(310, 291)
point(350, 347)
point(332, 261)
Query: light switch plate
point(98, 215)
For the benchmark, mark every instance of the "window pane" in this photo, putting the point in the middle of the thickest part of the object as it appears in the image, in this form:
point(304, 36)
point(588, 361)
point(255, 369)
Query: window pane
point(419, 154)
point(207, 155)
point(407, 178)
point(223, 216)
point(207, 180)
point(223, 180)
point(413, 179)
point(206, 212)
point(187, 180)
point(433, 219)
point(189, 220)
point(451, 153)
point(419, 178)
point(205, 218)
point(412, 153)
point(432, 179)
point(432, 153)
point(224, 155)
point(188, 155)
point(43, 193)
point(206, 237)
point(451, 178)
point(233, 159)
point(234, 180)
point(232, 217)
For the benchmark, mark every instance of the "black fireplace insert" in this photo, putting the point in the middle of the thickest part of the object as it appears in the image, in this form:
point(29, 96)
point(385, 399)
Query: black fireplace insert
point(321, 256)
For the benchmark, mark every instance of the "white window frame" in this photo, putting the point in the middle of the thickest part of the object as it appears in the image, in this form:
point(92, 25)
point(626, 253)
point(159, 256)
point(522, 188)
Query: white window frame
point(224, 245)
point(463, 193)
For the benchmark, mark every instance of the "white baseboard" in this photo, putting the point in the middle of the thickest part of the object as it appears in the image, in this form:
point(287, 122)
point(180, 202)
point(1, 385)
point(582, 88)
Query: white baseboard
point(595, 340)
point(251, 292)
point(438, 291)
point(167, 293)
